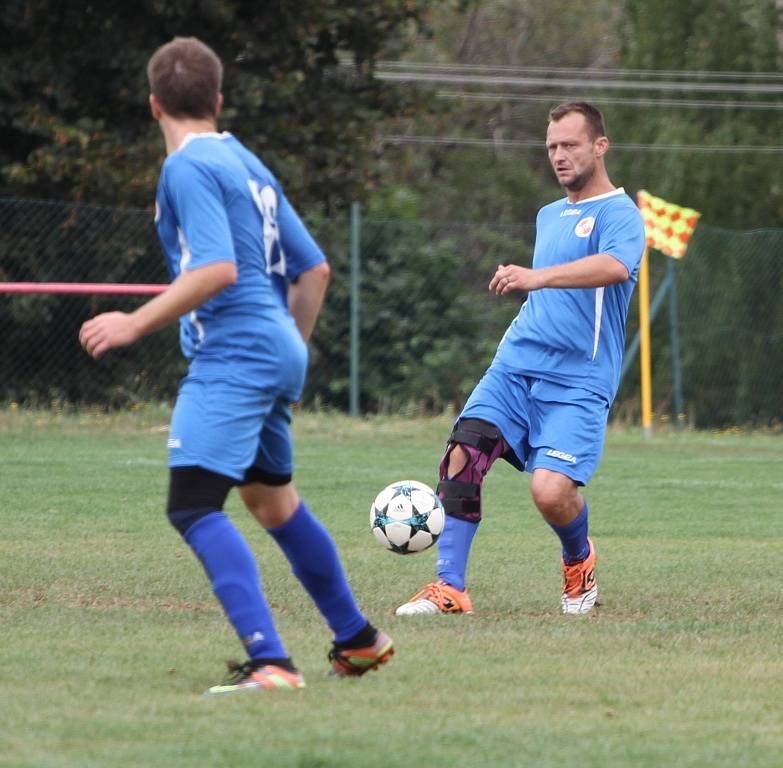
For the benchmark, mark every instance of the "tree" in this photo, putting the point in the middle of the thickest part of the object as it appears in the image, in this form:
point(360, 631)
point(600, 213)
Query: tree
point(494, 183)
point(737, 190)
point(74, 121)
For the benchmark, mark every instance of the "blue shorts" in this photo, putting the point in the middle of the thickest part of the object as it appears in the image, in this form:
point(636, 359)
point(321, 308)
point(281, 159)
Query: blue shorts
point(227, 427)
point(546, 425)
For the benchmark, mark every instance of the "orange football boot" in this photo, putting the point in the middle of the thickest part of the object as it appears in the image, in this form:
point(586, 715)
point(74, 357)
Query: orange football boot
point(246, 677)
point(352, 662)
point(438, 597)
point(580, 590)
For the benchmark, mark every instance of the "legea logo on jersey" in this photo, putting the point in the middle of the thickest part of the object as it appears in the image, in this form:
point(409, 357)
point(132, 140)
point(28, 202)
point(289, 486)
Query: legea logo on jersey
point(174, 442)
point(584, 226)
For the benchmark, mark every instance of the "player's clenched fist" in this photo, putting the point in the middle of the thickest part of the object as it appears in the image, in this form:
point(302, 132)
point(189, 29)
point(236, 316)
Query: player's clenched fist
point(510, 277)
point(106, 331)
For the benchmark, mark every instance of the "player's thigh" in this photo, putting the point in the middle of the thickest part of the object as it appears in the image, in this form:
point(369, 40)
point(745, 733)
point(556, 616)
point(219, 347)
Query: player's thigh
point(216, 425)
point(273, 460)
point(567, 430)
point(266, 488)
point(503, 399)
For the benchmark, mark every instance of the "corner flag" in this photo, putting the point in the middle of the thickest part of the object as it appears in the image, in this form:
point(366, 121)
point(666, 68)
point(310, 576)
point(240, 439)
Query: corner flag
point(668, 227)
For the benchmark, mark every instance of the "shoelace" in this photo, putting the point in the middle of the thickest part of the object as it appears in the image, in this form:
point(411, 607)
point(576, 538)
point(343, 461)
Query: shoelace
point(238, 672)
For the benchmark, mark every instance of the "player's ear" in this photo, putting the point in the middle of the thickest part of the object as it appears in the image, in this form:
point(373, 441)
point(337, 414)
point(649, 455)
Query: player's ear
point(218, 104)
point(155, 107)
point(601, 145)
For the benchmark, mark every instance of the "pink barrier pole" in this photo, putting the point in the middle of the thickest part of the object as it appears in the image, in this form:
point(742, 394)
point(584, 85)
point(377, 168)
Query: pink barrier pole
point(127, 289)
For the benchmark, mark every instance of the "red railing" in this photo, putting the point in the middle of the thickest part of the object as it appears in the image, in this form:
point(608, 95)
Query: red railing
point(123, 289)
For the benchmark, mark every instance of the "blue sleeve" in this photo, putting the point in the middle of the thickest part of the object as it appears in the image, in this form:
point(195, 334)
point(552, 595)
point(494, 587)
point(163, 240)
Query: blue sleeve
point(197, 200)
point(301, 250)
point(622, 235)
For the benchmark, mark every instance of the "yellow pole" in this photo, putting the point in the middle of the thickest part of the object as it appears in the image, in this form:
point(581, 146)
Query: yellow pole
point(644, 344)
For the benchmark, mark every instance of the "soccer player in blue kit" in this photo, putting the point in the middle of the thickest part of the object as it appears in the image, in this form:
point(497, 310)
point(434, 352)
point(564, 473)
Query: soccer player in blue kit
point(543, 404)
point(226, 229)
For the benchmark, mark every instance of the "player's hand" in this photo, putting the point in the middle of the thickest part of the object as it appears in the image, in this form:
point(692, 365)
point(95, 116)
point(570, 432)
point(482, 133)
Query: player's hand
point(106, 331)
point(510, 277)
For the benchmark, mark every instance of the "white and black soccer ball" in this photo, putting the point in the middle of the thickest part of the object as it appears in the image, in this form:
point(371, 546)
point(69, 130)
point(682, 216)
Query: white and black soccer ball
point(407, 517)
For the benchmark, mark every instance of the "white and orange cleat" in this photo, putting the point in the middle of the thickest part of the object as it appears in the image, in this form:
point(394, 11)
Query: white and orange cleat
point(580, 590)
point(435, 598)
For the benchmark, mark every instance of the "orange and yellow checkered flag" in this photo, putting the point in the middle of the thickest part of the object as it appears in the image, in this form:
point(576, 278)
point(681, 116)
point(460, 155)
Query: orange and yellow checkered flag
point(668, 227)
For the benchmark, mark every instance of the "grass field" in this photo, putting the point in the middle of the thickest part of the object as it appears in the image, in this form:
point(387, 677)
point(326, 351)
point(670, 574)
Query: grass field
point(110, 632)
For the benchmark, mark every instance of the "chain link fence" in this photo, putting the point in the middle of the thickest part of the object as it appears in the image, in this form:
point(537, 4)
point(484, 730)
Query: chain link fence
point(427, 325)
point(730, 332)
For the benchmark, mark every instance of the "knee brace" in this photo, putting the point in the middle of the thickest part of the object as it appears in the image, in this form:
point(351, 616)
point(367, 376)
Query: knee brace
point(193, 493)
point(483, 444)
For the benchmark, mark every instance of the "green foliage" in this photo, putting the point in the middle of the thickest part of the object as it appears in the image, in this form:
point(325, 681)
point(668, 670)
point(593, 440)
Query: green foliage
point(74, 121)
point(492, 183)
point(739, 190)
point(730, 329)
point(428, 326)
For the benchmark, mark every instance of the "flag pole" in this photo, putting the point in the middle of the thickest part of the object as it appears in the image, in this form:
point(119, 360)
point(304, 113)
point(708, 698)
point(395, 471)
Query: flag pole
point(644, 344)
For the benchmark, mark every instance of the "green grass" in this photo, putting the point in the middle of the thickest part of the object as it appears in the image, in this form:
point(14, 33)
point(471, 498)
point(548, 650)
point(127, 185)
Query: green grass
point(110, 632)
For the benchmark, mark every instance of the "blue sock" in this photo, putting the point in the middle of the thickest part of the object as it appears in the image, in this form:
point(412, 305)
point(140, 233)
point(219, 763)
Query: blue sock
point(315, 562)
point(232, 569)
point(574, 537)
point(453, 550)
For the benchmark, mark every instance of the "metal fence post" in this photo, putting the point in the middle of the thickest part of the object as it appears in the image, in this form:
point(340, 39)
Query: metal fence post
point(355, 282)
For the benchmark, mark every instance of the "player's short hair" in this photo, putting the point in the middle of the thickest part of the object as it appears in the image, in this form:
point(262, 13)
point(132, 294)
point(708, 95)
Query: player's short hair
point(186, 75)
point(592, 115)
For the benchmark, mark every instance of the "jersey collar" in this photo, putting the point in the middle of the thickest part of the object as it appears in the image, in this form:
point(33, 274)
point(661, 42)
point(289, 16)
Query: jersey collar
point(208, 135)
point(618, 191)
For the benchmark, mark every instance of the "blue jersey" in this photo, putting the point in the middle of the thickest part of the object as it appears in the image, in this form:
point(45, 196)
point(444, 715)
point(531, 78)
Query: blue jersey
point(576, 336)
point(217, 201)
point(294, 262)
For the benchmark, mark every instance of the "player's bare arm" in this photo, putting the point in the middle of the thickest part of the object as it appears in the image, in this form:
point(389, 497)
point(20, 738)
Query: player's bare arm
point(306, 296)
point(590, 272)
point(188, 292)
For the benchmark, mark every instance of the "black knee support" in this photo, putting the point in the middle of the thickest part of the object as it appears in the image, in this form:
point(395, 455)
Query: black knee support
point(461, 494)
point(193, 493)
point(477, 433)
point(258, 475)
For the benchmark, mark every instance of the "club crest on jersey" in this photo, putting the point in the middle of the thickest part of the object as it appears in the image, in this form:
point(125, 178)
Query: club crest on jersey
point(584, 226)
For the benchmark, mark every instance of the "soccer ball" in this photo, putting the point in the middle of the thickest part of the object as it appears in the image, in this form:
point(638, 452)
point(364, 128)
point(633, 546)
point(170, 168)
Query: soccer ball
point(407, 517)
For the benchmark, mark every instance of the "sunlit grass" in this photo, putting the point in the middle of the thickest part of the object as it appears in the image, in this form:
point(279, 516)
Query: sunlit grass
point(110, 632)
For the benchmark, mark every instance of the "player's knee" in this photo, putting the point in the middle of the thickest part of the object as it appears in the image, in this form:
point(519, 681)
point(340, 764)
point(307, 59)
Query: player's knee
point(552, 494)
point(193, 493)
point(473, 447)
point(271, 504)
point(456, 459)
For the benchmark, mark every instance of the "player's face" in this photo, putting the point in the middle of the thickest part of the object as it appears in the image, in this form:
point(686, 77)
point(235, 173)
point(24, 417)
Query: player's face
point(573, 153)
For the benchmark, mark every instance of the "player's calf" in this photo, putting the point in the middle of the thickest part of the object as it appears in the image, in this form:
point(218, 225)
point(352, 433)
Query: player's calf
point(479, 444)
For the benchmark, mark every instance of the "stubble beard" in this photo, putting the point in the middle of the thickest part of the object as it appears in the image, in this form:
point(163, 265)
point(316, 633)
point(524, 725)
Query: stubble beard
point(578, 183)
